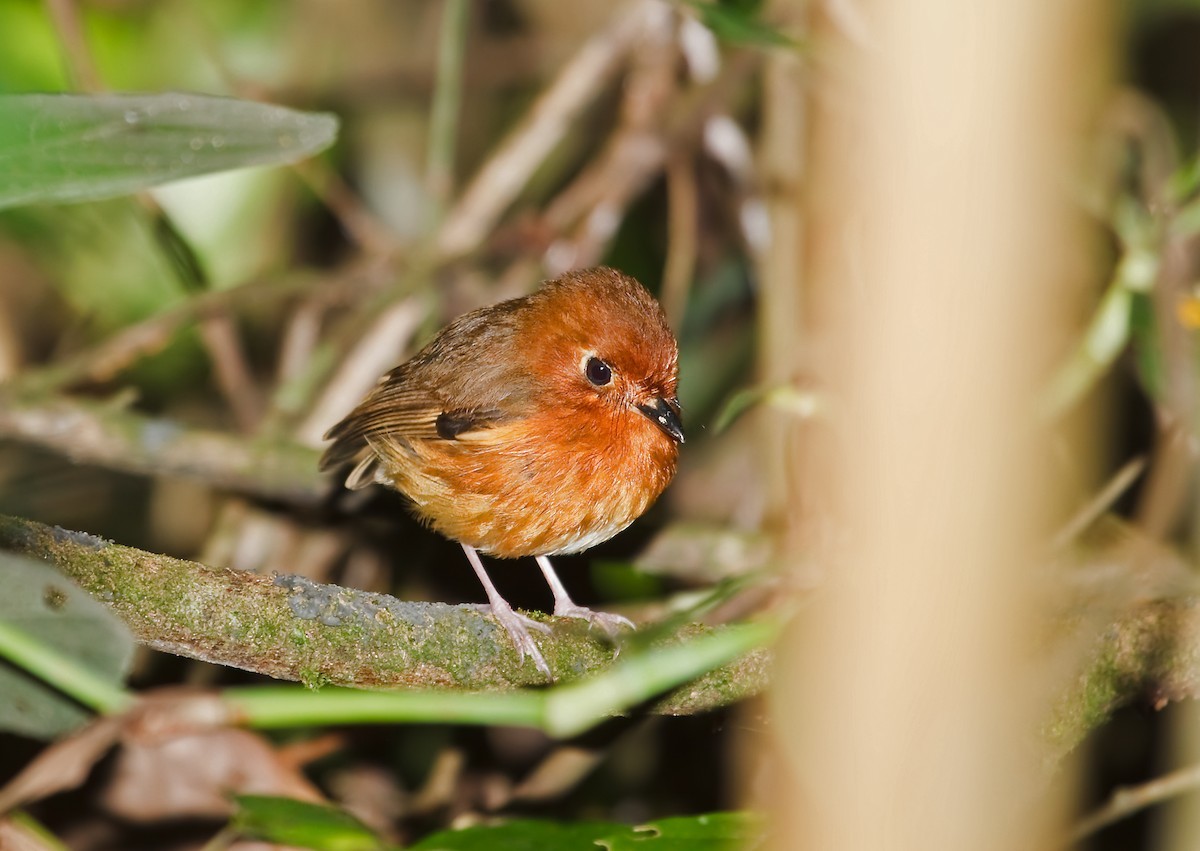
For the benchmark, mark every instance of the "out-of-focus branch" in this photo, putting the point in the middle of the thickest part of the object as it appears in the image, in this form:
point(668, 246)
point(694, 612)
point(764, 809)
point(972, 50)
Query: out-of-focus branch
point(232, 371)
point(359, 223)
point(1127, 629)
point(592, 206)
point(635, 153)
point(1128, 800)
point(783, 267)
point(503, 177)
point(109, 436)
point(105, 360)
point(683, 228)
point(1150, 651)
point(293, 629)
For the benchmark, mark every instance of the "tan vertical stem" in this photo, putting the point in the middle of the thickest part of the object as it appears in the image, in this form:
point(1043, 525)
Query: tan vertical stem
point(781, 267)
point(939, 241)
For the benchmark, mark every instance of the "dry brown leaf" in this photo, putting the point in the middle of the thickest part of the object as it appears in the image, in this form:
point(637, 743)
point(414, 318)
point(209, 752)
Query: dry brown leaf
point(63, 765)
point(194, 774)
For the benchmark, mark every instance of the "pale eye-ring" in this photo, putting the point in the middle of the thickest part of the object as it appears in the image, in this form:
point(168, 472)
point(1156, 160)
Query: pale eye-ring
point(597, 372)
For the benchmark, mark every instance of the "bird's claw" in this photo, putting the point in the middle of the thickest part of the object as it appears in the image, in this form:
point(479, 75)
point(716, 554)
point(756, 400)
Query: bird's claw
point(517, 626)
point(607, 621)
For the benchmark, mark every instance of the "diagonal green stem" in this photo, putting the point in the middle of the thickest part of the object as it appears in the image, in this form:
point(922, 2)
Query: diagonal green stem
point(562, 711)
point(64, 674)
point(447, 101)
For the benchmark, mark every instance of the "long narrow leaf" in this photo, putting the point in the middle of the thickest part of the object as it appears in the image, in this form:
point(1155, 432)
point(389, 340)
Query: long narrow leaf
point(62, 147)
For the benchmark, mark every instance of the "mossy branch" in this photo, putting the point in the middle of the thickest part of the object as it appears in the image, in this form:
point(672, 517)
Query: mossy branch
point(293, 629)
point(1151, 652)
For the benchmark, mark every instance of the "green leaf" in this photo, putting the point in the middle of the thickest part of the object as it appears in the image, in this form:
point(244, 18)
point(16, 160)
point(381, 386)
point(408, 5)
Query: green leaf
point(523, 836)
point(41, 602)
point(785, 397)
point(301, 824)
point(713, 832)
point(1147, 347)
point(736, 23)
point(59, 147)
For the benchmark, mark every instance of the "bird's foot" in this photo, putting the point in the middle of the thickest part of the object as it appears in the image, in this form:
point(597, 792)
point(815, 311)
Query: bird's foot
point(607, 621)
point(517, 626)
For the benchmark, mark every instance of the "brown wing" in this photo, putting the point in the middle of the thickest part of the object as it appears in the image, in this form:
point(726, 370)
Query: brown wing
point(396, 406)
point(468, 378)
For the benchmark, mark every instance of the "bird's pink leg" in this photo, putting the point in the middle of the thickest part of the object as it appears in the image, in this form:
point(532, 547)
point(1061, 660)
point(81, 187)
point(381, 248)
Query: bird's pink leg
point(516, 625)
point(565, 607)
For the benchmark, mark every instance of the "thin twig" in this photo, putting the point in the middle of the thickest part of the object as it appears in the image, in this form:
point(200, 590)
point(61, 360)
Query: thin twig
point(93, 433)
point(632, 159)
point(1169, 479)
point(231, 370)
point(1094, 508)
point(781, 268)
point(103, 361)
point(301, 336)
point(12, 346)
point(1133, 799)
point(359, 223)
point(635, 152)
point(683, 220)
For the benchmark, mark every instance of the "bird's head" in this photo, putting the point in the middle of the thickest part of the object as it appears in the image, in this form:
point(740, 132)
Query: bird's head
point(608, 358)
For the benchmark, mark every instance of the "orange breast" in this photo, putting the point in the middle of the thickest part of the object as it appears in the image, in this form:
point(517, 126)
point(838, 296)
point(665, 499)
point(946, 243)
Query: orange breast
point(540, 486)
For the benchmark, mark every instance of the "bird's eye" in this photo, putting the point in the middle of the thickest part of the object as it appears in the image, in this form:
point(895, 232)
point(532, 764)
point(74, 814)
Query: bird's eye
point(597, 372)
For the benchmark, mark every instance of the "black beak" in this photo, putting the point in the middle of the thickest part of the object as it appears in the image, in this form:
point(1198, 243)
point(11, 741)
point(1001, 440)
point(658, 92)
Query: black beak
point(664, 413)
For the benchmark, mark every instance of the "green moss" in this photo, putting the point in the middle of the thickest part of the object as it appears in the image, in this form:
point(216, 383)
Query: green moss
point(314, 679)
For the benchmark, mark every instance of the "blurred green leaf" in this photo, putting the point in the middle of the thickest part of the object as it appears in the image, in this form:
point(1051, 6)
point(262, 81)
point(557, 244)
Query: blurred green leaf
point(1183, 184)
point(1106, 336)
point(700, 552)
point(44, 604)
point(302, 824)
point(101, 257)
point(1147, 346)
point(784, 397)
point(714, 832)
point(525, 835)
point(738, 23)
point(61, 148)
point(738, 404)
point(30, 54)
point(621, 580)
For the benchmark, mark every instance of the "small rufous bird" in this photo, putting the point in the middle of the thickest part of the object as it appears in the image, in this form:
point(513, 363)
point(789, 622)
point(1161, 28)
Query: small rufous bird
point(537, 426)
